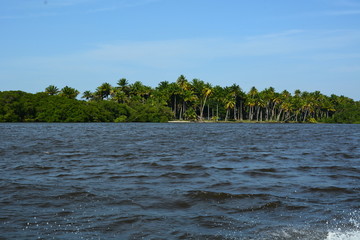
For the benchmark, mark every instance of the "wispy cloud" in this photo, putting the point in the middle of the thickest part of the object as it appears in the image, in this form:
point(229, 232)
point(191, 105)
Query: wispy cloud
point(292, 55)
point(29, 15)
point(65, 7)
point(164, 53)
point(66, 3)
point(182, 53)
point(123, 4)
point(344, 3)
point(189, 52)
point(342, 12)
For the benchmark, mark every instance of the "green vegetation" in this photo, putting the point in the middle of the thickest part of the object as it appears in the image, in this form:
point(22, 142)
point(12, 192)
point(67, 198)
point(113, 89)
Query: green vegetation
point(193, 100)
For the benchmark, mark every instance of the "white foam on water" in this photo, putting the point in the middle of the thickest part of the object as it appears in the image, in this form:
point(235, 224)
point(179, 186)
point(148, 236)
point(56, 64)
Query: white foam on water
point(340, 234)
point(350, 235)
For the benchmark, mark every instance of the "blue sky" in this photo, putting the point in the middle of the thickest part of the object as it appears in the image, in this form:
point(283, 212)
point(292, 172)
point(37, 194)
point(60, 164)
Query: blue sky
point(287, 44)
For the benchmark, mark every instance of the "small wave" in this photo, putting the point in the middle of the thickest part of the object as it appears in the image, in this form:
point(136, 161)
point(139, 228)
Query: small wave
point(176, 175)
point(170, 204)
point(330, 168)
point(345, 156)
point(194, 167)
point(75, 195)
point(263, 172)
point(224, 168)
point(207, 195)
point(331, 189)
point(267, 170)
point(266, 206)
point(294, 233)
point(159, 166)
point(35, 167)
point(295, 207)
point(221, 184)
point(343, 168)
point(28, 187)
point(214, 221)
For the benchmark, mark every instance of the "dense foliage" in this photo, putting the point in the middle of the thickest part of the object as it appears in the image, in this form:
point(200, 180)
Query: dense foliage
point(180, 100)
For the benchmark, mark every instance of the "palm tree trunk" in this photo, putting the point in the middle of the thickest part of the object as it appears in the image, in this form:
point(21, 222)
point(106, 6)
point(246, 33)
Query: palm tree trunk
point(208, 107)
point(273, 114)
point(235, 116)
point(305, 115)
point(175, 106)
point(240, 111)
point(278, 116)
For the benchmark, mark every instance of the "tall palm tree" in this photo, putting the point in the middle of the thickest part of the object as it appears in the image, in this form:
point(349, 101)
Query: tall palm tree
point(52, 90)
point(229, 104)
point(252, 101)
point(139, 92)
point(123, 83)
point(268, 96)
point(69, 92)
point(218, 99)
point(183, 90)
point(163, 93)
point(103, 91)
point(235, 92)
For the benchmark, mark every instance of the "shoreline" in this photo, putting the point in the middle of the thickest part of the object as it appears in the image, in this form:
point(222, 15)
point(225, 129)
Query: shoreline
point(253, 122)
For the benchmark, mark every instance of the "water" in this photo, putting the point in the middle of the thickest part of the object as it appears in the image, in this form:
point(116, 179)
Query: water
point(179, 181)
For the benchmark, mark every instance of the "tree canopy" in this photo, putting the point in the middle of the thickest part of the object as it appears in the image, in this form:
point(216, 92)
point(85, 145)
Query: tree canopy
point(180, 100)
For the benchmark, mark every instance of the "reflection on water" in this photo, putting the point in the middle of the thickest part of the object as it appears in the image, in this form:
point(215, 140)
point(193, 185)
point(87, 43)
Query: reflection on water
point(179, 181)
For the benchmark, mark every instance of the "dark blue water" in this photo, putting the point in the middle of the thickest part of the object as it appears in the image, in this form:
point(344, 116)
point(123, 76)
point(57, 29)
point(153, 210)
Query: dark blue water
point(179, 181)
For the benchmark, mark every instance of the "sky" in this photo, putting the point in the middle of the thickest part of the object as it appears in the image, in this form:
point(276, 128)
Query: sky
point(311, 45)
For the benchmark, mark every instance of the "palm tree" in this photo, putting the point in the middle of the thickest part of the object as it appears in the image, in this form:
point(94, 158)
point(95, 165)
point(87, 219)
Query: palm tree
point(307, 105)
point(251, 101)
point(287, 108)
point(183, 90)
point(139, 92)
point(284, 96)
point(183, 83)
point(229, 104)
point(162, 93)
point(268, 96)
point(235, 92)
point(123, 82)
point(260, 106)
point(103, 91)
point(118, 95)
point(88, 95)
point(52, 90)
point(69, 92)
point(207, 91)
point(218, 99)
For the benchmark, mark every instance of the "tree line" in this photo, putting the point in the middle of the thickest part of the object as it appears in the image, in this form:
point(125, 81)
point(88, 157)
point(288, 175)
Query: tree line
point(193, 100)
